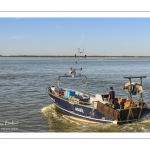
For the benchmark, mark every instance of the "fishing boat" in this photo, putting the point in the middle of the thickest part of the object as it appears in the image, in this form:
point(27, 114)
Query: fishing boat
point(95, 108)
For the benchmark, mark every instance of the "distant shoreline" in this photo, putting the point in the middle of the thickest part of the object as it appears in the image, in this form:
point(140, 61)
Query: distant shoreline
point(48, 56)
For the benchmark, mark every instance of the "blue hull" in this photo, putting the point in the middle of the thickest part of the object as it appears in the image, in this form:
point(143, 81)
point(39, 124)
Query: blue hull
point(99, 114)
point(79, 111)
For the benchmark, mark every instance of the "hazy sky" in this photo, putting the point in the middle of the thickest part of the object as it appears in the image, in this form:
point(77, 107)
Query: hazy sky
point(63, 36)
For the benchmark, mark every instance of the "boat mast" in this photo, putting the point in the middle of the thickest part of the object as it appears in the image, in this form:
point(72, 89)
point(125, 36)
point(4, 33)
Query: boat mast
point(130, 91)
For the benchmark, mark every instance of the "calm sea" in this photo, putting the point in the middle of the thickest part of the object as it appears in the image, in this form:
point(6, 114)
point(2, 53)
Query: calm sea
point(25, 105)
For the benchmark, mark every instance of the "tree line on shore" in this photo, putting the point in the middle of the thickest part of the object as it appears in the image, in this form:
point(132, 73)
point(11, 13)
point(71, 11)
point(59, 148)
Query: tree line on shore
point(73, 56)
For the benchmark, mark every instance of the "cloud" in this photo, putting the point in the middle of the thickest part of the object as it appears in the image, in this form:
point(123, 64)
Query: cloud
point(18, 18)
point(16, 37)
point(13, 38)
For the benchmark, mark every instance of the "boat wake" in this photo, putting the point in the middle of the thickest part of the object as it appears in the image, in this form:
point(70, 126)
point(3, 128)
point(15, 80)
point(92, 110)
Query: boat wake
point(60, 123)
point(47, 109)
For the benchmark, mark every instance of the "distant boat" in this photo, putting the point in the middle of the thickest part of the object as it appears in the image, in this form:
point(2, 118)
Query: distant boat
point(87, 107)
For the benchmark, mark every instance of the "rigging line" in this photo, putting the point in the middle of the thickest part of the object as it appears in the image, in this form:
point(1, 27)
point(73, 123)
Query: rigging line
point(81, 38)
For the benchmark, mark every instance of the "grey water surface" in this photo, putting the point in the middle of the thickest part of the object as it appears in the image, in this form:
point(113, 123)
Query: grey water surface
point(25, 105)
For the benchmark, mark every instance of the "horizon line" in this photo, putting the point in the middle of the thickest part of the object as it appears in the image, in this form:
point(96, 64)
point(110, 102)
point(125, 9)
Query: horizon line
point(70, 56)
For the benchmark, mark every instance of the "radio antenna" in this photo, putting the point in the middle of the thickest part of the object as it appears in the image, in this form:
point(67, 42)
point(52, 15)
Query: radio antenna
point(81, 38)
point(73, 70)
point(79, 51)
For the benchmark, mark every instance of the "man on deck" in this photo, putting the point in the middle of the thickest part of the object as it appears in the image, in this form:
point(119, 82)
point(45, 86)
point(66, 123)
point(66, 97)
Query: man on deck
point(111, 96)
